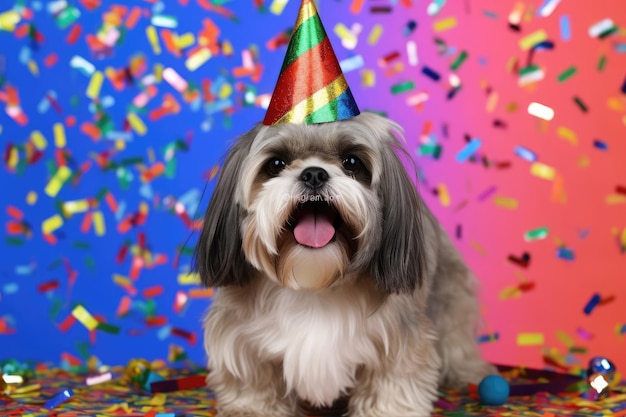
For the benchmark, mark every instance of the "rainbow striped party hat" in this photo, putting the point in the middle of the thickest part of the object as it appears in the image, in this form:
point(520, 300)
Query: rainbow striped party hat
point(311, 87)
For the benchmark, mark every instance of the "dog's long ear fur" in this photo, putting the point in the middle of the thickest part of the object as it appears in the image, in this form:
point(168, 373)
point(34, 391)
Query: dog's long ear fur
point(400, 258)
point(218, 257)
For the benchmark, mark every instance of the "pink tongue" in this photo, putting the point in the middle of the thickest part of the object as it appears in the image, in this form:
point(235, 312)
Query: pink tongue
point(314, 229)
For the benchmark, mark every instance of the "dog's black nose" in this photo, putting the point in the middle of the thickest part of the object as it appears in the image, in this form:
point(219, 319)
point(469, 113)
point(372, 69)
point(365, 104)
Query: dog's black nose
point(314, 177)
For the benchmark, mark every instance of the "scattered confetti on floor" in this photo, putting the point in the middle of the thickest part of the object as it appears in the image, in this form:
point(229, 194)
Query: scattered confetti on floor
point(179, 391)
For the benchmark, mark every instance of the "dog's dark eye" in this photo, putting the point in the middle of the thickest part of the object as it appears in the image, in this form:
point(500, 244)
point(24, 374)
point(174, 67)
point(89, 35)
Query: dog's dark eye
point(275, 165)
point(351, 163)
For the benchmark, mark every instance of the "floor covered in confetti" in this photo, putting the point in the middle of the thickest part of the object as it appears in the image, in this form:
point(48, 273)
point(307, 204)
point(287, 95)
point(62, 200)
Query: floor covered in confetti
point(162, 391)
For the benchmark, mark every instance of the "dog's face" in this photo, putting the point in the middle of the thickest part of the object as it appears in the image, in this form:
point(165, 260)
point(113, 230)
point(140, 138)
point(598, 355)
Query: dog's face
point(312, 206)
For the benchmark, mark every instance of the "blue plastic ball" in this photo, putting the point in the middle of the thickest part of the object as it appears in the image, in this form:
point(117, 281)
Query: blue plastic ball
point(601, 365)
point(493, 390)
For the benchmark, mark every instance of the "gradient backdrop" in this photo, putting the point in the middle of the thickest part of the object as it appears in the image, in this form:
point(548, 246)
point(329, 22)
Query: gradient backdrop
point(114, 116)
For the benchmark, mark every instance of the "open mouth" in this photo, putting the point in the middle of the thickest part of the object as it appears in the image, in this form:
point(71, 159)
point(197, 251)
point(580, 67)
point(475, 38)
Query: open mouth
point(314, 223)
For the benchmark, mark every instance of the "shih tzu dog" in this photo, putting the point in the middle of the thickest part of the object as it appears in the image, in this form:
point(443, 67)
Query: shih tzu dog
point(334, 279)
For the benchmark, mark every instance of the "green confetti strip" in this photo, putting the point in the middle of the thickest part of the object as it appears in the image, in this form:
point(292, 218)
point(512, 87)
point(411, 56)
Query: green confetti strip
point(108, 328)
point(402, 87)
point(568, 73)
point(601, 63)
point(458, 61)
point(536, 234)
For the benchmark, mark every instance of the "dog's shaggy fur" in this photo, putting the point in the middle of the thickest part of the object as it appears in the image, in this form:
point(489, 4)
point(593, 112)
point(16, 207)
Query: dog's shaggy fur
point(385, 311)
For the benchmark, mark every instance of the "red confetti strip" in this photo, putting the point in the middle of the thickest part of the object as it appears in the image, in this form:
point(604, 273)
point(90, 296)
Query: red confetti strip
point(153, 291)
point(48, 286)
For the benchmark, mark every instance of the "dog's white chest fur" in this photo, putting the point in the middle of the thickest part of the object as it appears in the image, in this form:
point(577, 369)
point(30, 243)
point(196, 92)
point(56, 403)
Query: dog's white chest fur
point(320, 339)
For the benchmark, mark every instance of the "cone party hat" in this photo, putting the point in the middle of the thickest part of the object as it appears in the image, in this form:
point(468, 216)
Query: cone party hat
point(311, 87)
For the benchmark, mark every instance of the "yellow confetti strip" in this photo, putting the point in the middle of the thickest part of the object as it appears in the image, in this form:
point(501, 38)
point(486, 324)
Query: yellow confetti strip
point(95, 84)
point(623, 239)
point(136, 123)
point(345, 35)
point(198, 59)
point(530, 339)
point(75, 206)
point(83, 316)
point(565, 339)
point(374, 35)
point(542, 171)
point(510, 292)
point(158, 399)
point(51, 224)
point(153, 38)
point(9, 19)
point(567, 134)
point(444, 24)
point(615, 199)
point(533, 39)
point(38, 140)
point(227, 48)
point(509, 203)
point(188, 279)
point(158, 72)
point(98, 223)
point(57, 181)
point(31, 198)
point(13, 158)
point(225, 91)
point(33, 68)
point(444, 196)
point(185, 40)
point(368, 78)
point(122, 281)
point(59, 135)
point(278, 6)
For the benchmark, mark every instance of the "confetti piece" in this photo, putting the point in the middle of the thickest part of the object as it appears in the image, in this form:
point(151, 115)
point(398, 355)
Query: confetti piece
point(469, 150)
point(536, 234)
point(530, 339)
point(199, 58)
point(84, 317)
point(592, 304)
point(568, 73)
point(541, 111)
point(58, 399)
point(57, 181)
point(505, 202)
point(565, 28)
point(444, 196)
point(602, 28)
point(445, 24)
point(137, 124)
point(567, 134)
point(529, 41)
point(411, 50)
point(375, 34)
point(95, 84)
point(566, 254)
point(402, 87)
point(525, 153)
point(548, 7)
point(59, 135)
point(543, 171)
point(278, 6)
